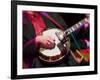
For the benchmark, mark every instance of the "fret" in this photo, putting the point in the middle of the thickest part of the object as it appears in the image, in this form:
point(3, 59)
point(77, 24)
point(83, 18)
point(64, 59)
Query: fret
point(69, 31)
point(80, 23)
point(72, 28)
point(77, 25)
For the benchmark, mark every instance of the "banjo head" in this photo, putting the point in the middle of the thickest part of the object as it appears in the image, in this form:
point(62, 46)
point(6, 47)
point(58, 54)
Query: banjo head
point(55, 54)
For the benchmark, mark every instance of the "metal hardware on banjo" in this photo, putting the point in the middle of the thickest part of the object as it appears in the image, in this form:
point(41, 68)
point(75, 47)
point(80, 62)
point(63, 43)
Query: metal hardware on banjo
point(62, 43)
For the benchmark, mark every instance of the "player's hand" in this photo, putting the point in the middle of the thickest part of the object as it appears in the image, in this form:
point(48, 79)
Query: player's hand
point(45, 42)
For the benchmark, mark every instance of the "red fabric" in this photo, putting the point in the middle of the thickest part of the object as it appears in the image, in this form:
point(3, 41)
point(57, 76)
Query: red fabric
point(37, 22)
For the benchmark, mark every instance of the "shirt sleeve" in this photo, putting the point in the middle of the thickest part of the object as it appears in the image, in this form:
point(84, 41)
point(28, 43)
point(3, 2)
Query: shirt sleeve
point(30, 49)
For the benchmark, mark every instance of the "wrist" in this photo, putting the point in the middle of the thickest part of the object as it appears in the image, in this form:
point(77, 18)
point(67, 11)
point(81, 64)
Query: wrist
point(37, 40)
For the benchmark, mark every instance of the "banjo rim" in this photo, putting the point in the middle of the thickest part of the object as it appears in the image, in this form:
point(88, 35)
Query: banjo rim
point(55, 58)
point(51, 59)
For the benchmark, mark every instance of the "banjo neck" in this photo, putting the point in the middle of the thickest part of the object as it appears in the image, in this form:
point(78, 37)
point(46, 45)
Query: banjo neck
point(74, 27)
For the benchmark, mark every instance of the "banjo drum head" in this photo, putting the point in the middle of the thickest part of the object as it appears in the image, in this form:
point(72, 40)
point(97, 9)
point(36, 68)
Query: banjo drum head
point(55, 54)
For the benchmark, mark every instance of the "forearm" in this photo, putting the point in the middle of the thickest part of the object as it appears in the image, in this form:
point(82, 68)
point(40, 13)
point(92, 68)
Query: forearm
point(30, 48)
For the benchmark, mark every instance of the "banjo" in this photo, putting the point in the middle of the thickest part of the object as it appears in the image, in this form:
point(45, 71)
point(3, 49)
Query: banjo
point(62, 43)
